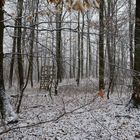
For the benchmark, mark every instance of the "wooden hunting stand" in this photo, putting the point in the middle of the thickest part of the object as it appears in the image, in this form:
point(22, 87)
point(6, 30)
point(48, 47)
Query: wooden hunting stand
point(48, 77)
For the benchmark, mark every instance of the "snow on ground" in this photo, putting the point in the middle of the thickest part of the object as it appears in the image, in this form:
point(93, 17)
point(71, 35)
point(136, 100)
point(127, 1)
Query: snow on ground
point(77, 113)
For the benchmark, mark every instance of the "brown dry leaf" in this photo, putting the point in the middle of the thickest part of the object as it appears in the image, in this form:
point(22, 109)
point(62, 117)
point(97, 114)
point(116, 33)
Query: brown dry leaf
point(101, 93)
point(87, 4)
point(77, 5)
point(29, 18)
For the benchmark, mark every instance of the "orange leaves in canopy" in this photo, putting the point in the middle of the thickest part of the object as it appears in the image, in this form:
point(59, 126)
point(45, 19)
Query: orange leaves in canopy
point(101, 93)
point(78, 5)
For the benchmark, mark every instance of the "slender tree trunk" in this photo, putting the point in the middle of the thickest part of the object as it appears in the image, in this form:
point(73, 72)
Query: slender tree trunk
point(31, 55)
point(19, 33)
point(130, 33)
point(32, 36)
point(37, 58)
point(136, 77)
point(2, 108)
point(89, 46)
point(13, 56)
point(97, 59)
point(109, 48)
point(78, 71)
point(74, 58)
point(70, 55)
point(19, 56)
point(1, 45)
point(101, 46)
point(82, 47)
point(87, 58)
point(58, 46)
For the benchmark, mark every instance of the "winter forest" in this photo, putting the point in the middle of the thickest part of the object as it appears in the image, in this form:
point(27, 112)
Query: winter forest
point(69, 69)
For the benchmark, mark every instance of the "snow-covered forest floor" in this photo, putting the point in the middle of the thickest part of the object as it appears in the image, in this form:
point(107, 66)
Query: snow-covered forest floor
point(77, 113)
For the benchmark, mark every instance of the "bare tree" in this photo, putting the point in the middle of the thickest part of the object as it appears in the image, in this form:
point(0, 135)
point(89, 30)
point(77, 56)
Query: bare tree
point(78, 70)
point(101, 46)
point(58, 45)
point(136, 77)
point(6, 109)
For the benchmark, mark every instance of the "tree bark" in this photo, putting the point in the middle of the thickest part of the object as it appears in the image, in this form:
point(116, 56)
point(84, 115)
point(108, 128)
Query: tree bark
point(101, 46)
point(89, 46)
point(82, 47)
point(110, 47)
point(13, 56)
point(130, 34)
point(136, 77)
point(6, 109)
point(19, 34)
point(78, 70)
point(1, 45)
point(58, 46)
point(70, 55)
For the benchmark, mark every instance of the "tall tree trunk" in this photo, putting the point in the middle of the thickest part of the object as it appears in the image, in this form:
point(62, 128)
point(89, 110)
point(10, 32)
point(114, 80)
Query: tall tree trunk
point(58, 46)
point(109, 46)
point(82, 47)
point(6, 109)
point(19, 56)
point(88, 45)
point(87, 58)
point(19, 33)
point(74, 59)
point(13, 56)
point(37, 57)
point(136, 77)
point(130, 33)
point(78, 70)
point(1, 45)
point(70, 55)
point(32, 36)
point(101, 46)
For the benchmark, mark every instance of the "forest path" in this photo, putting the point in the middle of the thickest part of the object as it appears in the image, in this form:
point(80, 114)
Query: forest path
point(75, 114)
